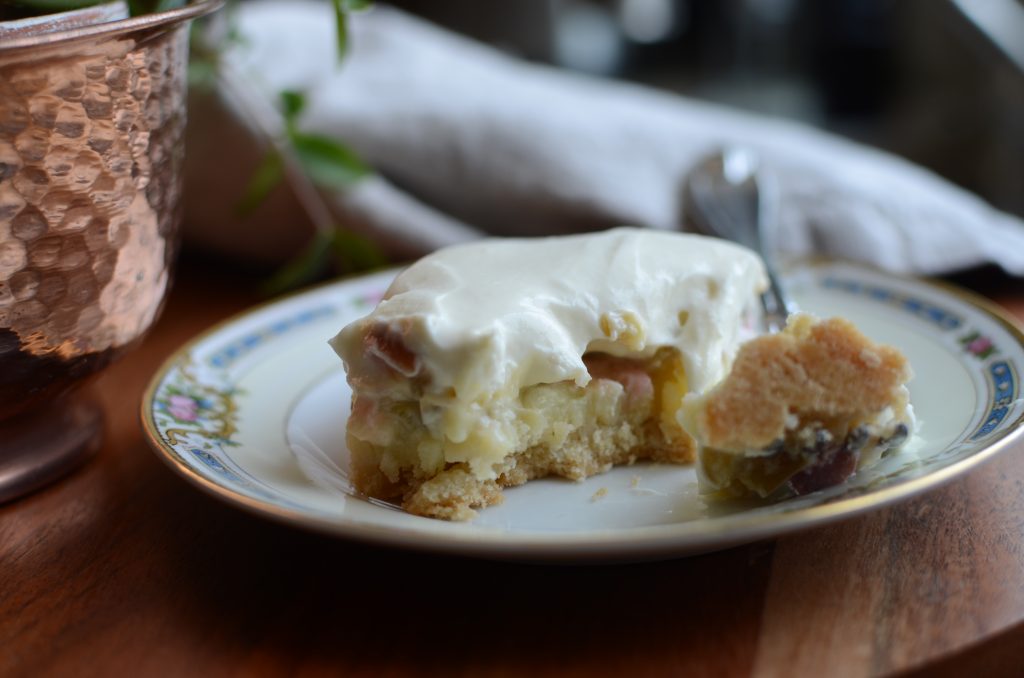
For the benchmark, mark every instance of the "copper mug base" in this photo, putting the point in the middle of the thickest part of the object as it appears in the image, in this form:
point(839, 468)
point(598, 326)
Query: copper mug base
point(48, 444)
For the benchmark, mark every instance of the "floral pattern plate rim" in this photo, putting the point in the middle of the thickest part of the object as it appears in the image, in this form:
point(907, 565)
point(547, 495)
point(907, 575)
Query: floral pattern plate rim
point(253, 411)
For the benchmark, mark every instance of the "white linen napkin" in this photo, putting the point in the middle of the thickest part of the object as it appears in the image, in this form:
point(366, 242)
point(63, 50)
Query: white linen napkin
point(479, 141)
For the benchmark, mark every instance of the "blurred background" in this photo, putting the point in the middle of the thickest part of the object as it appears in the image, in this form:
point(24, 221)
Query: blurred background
point(940, 82)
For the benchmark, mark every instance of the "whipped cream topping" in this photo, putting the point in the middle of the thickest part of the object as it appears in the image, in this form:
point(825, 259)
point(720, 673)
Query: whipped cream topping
point(468, 327)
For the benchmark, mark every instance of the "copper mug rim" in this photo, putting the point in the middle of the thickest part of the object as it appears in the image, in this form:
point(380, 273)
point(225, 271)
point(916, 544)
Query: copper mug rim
point(75, 33)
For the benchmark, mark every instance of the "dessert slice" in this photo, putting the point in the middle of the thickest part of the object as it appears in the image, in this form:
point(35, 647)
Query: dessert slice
point(496, 362)
point(800, 410)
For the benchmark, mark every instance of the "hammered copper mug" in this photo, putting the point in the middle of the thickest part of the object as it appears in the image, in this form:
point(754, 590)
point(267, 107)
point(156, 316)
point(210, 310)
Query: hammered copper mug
point(92, 117)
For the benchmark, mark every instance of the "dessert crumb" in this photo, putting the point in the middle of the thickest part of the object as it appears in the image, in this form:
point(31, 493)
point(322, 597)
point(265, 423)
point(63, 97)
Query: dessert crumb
point(635, 482)
point(600, 493)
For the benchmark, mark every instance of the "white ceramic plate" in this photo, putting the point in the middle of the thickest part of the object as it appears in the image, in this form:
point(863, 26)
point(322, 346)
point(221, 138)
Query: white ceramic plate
point(254, 412)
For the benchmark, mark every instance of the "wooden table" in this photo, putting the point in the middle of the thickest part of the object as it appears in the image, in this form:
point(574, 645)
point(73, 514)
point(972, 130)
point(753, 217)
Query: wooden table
point(125, 569)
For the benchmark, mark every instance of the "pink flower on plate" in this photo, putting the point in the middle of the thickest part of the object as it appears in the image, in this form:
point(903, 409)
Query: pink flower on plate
point(979, 345)
point(183, 408)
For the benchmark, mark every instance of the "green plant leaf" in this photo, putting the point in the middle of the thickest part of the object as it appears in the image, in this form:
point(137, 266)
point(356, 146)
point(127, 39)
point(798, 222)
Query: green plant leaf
point(348, 251)
point(292, 105)
point(342, 8)
point(306, 267)
point(268, 175)
point(340, 28)
point(357, 253)
point(164, 5)
point(328, 163)
point(46, 6)
point(202, 73)
point(137, 7)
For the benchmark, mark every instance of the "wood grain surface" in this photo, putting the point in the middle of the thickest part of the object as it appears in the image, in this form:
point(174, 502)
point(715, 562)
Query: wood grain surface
point(125, 569)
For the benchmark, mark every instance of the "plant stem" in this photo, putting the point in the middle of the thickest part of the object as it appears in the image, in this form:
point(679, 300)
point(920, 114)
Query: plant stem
point(261, 115)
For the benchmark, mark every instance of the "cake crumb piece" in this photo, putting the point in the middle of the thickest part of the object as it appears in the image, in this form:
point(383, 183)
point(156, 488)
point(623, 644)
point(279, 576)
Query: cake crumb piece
point(801, 410)
point(601, 492)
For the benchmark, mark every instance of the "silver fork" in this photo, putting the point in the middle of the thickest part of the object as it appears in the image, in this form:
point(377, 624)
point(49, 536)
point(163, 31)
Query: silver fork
point(726, 195)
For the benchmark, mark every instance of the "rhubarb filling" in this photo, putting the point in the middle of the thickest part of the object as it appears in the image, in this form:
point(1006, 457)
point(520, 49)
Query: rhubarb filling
point(403, 450)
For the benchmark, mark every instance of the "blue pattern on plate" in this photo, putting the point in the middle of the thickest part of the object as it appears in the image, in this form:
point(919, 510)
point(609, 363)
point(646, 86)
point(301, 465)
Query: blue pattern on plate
point(239, 347)
point(925, 310)
point(1004, 383)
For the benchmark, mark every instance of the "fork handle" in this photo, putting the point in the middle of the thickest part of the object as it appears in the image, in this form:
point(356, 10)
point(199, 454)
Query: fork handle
point(776, 303)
